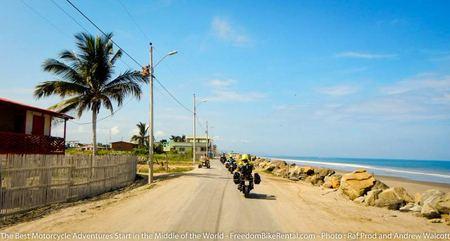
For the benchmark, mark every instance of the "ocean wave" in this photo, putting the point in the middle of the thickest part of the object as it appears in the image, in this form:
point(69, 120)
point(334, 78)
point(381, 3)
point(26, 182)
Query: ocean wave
point(369, 167)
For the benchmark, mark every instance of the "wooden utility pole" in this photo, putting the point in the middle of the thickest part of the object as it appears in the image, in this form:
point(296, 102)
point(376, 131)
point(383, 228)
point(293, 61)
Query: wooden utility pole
point(194, 130)
point(150, 136)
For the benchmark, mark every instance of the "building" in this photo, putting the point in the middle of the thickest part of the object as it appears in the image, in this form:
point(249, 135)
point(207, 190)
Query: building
point(90, 147)
point(25, 129)
point(201, 144)
point(122, 146)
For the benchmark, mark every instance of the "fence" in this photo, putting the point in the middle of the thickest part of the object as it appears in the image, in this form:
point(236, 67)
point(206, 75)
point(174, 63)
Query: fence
point(29, 181)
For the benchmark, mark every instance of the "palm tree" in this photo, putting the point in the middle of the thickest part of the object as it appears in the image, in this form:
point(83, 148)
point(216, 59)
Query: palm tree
point(85, 79)
point(142, 137)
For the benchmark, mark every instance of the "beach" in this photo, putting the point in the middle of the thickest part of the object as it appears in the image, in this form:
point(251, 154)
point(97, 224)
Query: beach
point(413, 186)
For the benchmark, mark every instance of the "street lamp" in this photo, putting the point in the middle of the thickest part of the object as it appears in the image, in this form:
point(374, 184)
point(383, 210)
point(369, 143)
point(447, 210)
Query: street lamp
point(149, 70)
point(194, 126)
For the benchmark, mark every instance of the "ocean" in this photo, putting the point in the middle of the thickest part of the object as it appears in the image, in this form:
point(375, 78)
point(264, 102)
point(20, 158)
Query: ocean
point(419, 170)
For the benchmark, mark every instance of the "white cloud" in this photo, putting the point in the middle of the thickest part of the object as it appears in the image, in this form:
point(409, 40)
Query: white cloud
point(221, 83)
point(160, 134)
point(222, 90)
point(232, 95)
point(362, 55)
point(339, 90)
point(424, 97)
point(115, 130)
point(223, 30)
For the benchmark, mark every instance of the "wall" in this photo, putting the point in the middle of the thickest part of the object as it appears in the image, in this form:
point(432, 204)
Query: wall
point(30, 181)
point(29, 122)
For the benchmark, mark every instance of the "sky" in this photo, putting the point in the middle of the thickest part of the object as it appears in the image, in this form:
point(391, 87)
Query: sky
point(294, 78)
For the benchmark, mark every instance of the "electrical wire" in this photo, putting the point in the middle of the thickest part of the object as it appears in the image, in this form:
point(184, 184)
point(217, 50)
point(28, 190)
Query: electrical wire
point(134, 20)
point(171, 95)
point(99, 29)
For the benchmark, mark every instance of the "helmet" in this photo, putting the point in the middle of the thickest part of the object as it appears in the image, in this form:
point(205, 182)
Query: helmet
point(245, 157)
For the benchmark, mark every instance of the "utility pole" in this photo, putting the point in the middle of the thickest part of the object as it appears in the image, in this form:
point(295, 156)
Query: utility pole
point(194, 130)
point(150, 136)
point(207, 140)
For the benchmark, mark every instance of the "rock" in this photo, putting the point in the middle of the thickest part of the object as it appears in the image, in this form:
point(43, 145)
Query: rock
point(431, 195)
point(443, 206)
point(417, 198)
point(281, 171)
point(308, 171)
point(372, 196)
point(435, 220)
point(411, 207)
point(315, 180)
point(323, 172)
point(359, 200)
point(446, 218)
point(269, 168)
point(380, 185)
point(332, 181)
point(357, 183)
point(294, 173)
point(429, 212)
point(393, 198)
point(436, 200)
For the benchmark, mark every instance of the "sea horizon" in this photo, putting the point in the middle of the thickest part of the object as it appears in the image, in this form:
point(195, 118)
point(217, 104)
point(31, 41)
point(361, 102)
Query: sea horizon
point(437, 171)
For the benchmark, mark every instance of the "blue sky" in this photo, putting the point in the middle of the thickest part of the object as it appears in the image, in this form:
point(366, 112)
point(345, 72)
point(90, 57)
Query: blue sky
point(310, 78)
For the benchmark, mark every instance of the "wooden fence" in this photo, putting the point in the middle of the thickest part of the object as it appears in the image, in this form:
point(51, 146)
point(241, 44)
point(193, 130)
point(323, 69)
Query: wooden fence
point(29, 181)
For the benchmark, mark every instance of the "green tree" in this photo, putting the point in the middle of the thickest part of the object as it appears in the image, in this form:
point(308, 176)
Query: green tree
point(142, 138)
point(85, 79)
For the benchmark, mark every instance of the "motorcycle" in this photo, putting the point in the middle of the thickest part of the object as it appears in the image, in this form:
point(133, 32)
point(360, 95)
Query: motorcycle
point(246, 182)
point(223, 159)
point(232, 167)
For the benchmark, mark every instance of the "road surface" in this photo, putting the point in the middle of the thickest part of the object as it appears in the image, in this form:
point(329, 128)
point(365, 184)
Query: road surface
point(206, 200)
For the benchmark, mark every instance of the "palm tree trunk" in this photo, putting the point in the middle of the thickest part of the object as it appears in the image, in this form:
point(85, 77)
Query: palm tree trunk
point(94, 132)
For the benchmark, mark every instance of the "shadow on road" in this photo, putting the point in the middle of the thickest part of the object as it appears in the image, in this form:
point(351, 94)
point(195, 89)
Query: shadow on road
point(261, 196)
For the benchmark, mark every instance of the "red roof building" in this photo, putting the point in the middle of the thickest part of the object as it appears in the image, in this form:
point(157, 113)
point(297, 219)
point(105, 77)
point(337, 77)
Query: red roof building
point(26, 129)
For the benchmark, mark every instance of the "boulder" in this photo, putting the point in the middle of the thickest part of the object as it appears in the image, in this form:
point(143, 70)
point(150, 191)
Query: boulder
point(323, 172)
point(393, 198)
point(308, 171)
point(332, 181)
point(315, 180)
point(380, 185)
point(417, 198)
point(411, 207)
point(435, 201)
point(372, 196)
point(294, 173)
point(443, 206)
point(281, 171)
point(357, 183)
point(429, 212)
point(270, 167)
point(359, 200)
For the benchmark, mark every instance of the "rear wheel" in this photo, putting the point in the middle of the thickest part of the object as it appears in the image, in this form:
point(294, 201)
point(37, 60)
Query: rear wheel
point(246, 191)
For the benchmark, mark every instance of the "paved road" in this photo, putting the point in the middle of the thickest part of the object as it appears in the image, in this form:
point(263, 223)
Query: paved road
point(206, 200)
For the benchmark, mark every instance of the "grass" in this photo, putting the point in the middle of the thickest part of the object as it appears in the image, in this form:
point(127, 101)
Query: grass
point(142, 168)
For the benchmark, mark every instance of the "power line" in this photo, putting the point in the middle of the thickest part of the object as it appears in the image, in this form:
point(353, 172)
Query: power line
point(103, 118)
point(99, 29)
point(134, 20)
point(171, 95)
point(79, 24)
point(43, 17)
point(69, 15)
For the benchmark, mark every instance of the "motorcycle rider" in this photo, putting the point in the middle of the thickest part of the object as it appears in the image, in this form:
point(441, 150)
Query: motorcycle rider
point(245, 168)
